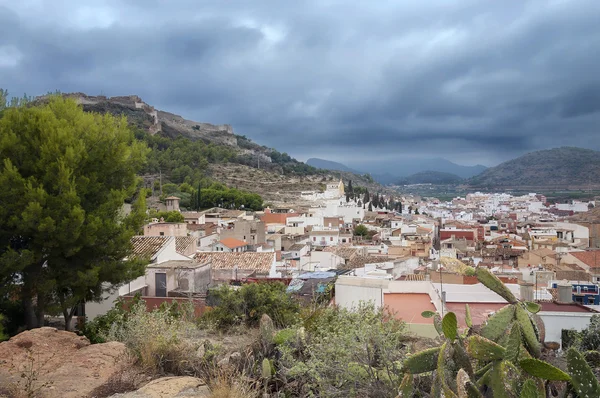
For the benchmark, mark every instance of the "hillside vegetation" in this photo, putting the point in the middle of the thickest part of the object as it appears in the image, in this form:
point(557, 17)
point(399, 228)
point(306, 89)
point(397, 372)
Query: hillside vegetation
point(187, 155)
point(565, 166)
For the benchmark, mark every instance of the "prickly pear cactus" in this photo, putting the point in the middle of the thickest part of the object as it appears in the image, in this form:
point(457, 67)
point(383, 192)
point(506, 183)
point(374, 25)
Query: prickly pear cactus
point(499, 362)
point(492, 282)
point(583, 379)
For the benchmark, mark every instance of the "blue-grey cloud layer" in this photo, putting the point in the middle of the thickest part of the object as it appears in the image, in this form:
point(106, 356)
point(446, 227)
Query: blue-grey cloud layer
point(364, 83)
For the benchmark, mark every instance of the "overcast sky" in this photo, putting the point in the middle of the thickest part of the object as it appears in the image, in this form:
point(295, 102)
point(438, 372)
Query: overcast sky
point(472, 81)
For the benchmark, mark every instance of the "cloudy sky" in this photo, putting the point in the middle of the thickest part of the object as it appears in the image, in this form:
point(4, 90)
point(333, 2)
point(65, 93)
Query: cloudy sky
point(363, 83)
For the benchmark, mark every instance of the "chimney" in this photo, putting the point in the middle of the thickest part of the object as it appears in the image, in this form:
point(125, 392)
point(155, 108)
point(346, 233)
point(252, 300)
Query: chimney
point(565, 294)
point(526, 290)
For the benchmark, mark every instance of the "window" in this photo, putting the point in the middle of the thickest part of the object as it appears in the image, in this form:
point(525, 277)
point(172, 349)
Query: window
point(162, 233)
point(331, 238)
point(314, 238)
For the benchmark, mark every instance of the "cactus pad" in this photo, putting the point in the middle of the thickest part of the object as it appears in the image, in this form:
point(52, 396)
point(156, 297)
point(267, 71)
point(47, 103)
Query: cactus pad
point(492, 282)
point(483, 349)
point(544, 370)
point(498, 323)
point(527, 328)
point(450, 326)
point(421, 362)
point(582, 377)
point(514, 344)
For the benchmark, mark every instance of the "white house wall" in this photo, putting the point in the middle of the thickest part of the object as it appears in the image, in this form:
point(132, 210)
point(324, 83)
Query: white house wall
point(555, 322)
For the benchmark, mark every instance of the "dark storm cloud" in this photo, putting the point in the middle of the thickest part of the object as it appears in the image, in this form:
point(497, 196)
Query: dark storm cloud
point(472, 81)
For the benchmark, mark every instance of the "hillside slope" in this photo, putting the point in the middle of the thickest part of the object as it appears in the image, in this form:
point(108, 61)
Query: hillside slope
point(185, 151)
point(558, 167)
point(430, 177)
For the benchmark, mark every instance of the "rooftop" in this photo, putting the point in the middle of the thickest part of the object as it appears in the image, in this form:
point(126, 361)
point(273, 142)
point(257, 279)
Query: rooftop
point(183, 242)
point(260, 262)
point(233, 243)
point(590, 257)
point(409, 306)
point(148, 246)
point(175, 264)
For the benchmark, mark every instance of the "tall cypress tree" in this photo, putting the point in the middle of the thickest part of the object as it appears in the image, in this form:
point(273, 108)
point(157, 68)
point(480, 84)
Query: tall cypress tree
point(199, 197)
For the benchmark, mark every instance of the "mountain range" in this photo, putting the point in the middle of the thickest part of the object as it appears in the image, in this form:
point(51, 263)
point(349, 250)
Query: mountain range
point(566, 167)
point(262, 169)
point(405, 168)
point(558, 167)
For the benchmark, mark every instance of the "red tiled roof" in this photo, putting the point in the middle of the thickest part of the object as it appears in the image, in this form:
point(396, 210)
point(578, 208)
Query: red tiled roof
point(245, 261)
point(232, 243)
point(590, 258)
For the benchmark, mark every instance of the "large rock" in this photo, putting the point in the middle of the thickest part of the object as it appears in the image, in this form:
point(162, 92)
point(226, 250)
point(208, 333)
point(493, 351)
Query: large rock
point(170, 387)
point(65, 364)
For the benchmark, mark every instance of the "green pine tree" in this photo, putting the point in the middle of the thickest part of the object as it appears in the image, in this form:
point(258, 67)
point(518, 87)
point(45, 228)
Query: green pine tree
point(64, 179)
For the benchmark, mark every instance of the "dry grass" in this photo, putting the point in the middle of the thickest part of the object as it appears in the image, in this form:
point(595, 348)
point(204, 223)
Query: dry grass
point(229, 384)
point(129, 377)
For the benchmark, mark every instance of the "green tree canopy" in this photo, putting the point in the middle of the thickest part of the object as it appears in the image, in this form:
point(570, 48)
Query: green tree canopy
point(168, 216)
point(64, 179)
point(361, 230)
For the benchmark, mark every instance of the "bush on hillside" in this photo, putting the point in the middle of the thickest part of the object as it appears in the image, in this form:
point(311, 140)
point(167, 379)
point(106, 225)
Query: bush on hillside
point(345, 353)
point(158, 339)
point(245, 306)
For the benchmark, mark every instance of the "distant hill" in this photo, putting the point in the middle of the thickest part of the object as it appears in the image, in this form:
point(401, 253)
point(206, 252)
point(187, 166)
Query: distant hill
point(408, 168)
point(565, 166)
point(329, 165)
point(190, 151)
point(391, 172)
point(430, 177)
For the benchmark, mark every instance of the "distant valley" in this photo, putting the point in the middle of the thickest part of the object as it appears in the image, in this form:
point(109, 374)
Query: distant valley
point(430, 177)
point(407, 168)
point(565, 167)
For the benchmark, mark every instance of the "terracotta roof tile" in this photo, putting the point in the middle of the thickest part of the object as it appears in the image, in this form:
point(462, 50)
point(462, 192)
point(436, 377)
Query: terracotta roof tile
point(260, 262)
point(148, 246)
point(343, 251)
point(361, 261)
point(182, 243)
point(590, 258)
point(414, 277)
point(232, 243)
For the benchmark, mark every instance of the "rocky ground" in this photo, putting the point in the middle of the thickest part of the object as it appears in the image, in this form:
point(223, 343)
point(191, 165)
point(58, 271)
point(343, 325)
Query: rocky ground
point(51, 363)
point(56, 363)
point(278, 189)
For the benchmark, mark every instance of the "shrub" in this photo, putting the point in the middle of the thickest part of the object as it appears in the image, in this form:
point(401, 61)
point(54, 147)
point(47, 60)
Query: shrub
point(590, 337)
point(248, 303)
point(345, 353)
point(157, 339)
point(97, 330)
